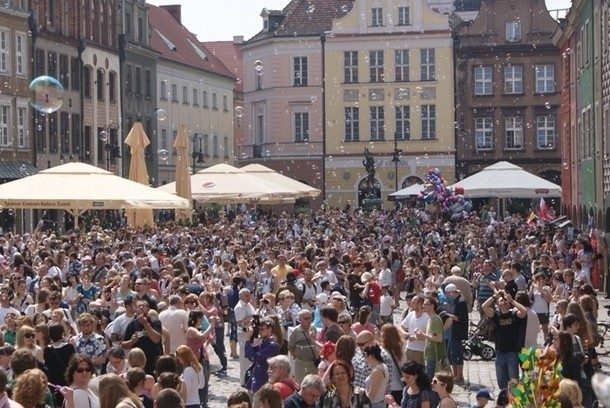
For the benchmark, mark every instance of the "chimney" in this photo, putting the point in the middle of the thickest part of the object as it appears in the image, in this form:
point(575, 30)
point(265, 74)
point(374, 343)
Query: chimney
point(175, 10)
point(238, 39)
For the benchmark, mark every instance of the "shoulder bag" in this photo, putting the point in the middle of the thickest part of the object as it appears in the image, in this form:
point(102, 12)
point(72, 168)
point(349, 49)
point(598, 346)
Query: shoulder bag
point(316, 359)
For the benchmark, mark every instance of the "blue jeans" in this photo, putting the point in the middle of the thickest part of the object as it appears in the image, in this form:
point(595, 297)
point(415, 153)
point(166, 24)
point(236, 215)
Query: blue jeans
point(233, 327)
point(219, 346)
point(507, 367)
point(430, 368)
point(455, 352)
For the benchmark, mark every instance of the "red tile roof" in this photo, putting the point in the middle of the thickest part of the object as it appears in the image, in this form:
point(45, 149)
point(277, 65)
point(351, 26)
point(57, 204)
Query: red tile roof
point(162, 22)
point(231, 55)
point(308, 17)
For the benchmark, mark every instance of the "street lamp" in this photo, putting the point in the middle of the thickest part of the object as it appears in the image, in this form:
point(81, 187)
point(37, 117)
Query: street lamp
point(110, 146)
point(197, 156)
point(396, 160)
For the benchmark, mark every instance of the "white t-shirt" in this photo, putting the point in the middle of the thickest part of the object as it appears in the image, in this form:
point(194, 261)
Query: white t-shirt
point(410, 324)
point(119, 325)
point(85, 398)
point(385, 305)
point(176, 321)
point(194, 381)
point(385, 277)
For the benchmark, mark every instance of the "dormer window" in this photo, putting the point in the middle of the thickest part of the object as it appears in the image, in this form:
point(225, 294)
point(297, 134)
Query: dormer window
point(513, 31)
point(377, 17)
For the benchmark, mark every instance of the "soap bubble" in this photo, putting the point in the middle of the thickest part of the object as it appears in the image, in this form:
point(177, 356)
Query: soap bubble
point(163, 155)
point(548, 105)
point(258, 66)
point(161, 114)
point(239, 111)
point(11, 212)
point(46, 94)
point(104, 135)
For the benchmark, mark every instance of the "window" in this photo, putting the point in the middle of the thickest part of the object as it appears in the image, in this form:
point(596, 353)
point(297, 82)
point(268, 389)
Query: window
point(258, 78)
point(427, 64)
point(206, 144)
point(76, 134)
point(5, 121)
point(215, 145)
point(87, 82)
point(205, 99)
point(545, 132)
point(428, 122)
point(545, 78)
point(53, 132)
point(513, 31)
point(226, 147)
point(64, 73)
point(352, 128)
point(100, 84)
point(86, 147)
point(5, 50)
point(21, 132)
point(403, 123)
point(64, 131)
point(225, 103)
point(20, 54)
point(214, 101)
point(75, 64)
point(350, 66)
point(163, 90)
point(140, 29)
point(401, 65)
point(376, 66)
point(164, 139)
point(376, 17)
point(128, 79)
point(195, 97)
point(299, 71)
point(147, 83)
point(513, 79)
point(483, 77)
point(174, 93)
point(128, 24)
point(403, 16)
point(301, 127)
point(260, 130)
point(112, 86)
point(483, 133)
point(52, 68)
point(185, 94)
point(377, 122)
point(138, 81)
point(513, 129)
point(40, 61)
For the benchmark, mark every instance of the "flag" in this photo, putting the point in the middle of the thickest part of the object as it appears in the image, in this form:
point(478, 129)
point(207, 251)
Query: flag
point(532, 218)
point(544, 213)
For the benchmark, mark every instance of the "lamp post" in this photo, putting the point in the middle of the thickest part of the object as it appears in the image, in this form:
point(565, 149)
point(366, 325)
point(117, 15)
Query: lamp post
point(197, 156)
point(396, 159)
point(110, 146)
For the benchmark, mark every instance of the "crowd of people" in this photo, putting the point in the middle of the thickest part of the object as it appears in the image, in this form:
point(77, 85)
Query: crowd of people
point(310, 304)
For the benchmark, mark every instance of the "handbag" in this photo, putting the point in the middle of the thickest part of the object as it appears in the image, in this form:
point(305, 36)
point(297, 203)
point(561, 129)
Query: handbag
point(248, 375)
point(442, 364)
point(316, 359)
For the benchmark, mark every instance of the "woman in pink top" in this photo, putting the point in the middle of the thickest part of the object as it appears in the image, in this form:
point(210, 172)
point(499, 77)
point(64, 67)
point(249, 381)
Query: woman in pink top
point(363, 321)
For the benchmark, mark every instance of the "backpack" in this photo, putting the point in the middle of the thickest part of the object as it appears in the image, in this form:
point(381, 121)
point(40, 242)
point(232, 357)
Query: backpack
point(487, 329)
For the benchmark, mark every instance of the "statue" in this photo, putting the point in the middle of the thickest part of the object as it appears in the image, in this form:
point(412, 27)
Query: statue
point(369, 165)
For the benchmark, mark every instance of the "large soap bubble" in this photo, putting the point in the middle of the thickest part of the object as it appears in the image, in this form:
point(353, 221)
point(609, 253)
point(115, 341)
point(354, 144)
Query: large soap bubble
point(46, 94)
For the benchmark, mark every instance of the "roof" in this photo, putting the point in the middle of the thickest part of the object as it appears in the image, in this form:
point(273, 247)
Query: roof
point(307, 17)
point(16, 170)
point(174, 42)
point(231, 55)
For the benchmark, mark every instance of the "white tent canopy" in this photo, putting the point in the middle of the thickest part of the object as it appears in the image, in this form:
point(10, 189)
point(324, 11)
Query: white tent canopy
point(408, 192)
point(272, 176)
point(505, 180)
point(78, 187)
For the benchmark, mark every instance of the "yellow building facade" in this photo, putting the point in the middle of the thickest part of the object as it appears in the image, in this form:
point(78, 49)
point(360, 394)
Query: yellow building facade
point(389, 88)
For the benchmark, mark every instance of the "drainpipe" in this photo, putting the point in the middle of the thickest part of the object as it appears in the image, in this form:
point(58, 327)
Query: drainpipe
point(323, 47)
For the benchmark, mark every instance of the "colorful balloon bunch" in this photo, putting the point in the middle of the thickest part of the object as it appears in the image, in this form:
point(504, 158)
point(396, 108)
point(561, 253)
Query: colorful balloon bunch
point(451, 200)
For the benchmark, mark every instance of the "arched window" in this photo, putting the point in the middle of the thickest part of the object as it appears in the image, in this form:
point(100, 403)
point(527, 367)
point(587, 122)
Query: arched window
point(409, 181)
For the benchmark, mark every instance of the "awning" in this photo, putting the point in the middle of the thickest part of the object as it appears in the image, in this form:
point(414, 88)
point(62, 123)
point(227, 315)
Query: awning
point(16, 170)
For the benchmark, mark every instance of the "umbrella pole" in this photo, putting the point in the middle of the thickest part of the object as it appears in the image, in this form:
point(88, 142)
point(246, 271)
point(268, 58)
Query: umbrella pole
point(76, 214)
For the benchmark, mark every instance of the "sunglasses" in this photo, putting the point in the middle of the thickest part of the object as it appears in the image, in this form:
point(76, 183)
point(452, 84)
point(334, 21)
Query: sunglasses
point(29, 335)
point(83, 370)
point(435, 381)
point(343, 322)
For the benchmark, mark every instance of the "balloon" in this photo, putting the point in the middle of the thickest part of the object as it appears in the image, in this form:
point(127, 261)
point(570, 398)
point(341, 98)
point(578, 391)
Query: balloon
point(459, 189)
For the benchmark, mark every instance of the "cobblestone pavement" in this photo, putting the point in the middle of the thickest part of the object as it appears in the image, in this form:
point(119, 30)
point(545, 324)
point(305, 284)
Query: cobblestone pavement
point(477, 372)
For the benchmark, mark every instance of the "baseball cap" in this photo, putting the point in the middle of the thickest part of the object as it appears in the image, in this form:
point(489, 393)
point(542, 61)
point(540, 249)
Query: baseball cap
point(484, 393)
point(321, 299)
point(86, 258)
point(451, 288)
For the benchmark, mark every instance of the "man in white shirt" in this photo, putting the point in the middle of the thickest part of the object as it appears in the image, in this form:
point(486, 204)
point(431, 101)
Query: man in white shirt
point(5, 307)
point(415, 320)
point(119, 325)
point(325, 274)
point(176, 320)
point(243, 316)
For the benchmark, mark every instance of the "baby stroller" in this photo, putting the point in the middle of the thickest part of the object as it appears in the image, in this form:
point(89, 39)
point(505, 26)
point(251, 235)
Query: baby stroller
point(476, 344)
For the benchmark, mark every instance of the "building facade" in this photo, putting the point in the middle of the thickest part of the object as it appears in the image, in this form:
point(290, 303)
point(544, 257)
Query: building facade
point(138, 91)
point(194, 89)
point(389, 89)
point(507, 90)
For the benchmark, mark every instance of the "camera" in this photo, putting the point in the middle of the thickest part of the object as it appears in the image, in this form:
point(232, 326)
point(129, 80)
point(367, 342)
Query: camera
point(266, 301)
point(256, 321)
